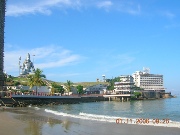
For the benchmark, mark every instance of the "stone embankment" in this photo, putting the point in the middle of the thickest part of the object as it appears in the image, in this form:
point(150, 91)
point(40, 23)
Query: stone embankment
point(156, 95)
point(48, 100)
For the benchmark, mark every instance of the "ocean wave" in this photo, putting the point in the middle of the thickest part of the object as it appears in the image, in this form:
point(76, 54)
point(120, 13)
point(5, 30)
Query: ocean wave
point(36, 108)
point(118, 120)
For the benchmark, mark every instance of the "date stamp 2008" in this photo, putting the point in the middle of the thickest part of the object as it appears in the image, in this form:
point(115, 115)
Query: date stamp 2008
point(142, 121)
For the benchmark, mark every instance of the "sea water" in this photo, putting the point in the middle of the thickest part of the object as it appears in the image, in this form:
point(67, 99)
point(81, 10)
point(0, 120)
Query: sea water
point(160, 112)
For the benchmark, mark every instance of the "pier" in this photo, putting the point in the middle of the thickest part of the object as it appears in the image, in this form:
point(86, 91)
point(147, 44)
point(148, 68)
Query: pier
point(118, 97)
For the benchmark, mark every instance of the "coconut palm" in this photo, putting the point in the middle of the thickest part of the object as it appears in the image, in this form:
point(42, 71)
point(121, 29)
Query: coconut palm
point(36, 79)
point(69, 85)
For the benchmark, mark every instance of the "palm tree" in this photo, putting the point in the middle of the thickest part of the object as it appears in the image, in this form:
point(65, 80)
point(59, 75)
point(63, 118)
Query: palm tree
point(69, 84)
point(36, 79)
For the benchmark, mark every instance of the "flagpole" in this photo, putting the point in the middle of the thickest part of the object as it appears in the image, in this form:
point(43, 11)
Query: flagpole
point(19, 64)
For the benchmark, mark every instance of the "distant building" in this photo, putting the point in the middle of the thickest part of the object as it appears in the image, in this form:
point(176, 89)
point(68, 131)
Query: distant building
point(149, 82)
point(2, 20)
point(42, 89)
point(125, 86)
point(96, 89)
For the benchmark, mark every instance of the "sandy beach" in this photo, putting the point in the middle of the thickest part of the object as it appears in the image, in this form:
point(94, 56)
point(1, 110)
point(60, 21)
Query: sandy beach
point(30, 121)
point(9, 125)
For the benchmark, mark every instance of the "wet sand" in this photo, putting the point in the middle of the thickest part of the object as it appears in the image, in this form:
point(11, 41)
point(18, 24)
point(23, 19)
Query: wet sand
point(9, 125)
point(28, 121)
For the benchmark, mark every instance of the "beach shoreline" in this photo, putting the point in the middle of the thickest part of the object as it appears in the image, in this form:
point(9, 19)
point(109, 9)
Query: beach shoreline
point(31, 120)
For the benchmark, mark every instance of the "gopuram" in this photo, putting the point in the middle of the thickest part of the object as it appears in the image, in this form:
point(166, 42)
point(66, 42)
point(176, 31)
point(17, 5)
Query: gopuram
point(27, 67)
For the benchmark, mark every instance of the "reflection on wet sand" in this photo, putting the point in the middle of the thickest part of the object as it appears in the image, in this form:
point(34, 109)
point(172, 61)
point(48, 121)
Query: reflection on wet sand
point(36, 123)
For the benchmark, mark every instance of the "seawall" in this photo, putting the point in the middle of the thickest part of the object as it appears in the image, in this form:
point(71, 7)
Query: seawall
point(19, 100)
point(156, 95)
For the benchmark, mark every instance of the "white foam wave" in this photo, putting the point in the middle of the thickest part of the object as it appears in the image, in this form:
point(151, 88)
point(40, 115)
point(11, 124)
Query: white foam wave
point(84, 116)
point(98, 117)
point(112, 119)
point(36, 108)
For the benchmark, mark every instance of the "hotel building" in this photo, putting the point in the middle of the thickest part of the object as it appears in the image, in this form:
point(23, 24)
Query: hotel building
point(2, 20)
point(123, 90)
point(149, 82)
point(125, 86)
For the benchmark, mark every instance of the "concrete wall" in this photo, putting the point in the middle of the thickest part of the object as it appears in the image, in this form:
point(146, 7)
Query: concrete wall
point(151, 94)
point(35, 100)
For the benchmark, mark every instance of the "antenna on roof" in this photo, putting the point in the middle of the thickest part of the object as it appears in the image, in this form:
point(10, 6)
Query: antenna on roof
point(146, 70)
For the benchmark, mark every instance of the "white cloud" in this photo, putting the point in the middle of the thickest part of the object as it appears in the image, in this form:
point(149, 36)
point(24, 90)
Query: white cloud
point(168, 14)
point(134, 11)
point(17, 10)
point(60, 62)
point(130, 8)
point(45, 6)
point(104, 4)
point(45, 57)
point(38, 6)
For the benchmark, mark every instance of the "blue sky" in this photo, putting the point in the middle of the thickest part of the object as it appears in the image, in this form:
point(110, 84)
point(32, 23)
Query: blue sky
point(81, 40)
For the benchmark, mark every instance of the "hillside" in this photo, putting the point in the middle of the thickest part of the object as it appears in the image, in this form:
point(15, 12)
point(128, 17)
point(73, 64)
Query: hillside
point(23, 81)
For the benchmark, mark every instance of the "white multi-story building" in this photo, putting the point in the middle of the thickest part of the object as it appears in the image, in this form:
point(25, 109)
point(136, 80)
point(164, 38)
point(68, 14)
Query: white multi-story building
point(147, 81)
point(123, 90)
point(125, 86)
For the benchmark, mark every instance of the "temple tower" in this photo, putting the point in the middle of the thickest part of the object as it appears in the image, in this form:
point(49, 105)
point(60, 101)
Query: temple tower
point(2, 20)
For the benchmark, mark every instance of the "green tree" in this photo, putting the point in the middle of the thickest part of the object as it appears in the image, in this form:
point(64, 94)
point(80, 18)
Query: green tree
point(61, 90)
point(36, 79)
point(80, 89)
point(137, 94)
point(5, 77)
point(58, 88)
point(69, 85)
point(17, 83)
point(112, 81)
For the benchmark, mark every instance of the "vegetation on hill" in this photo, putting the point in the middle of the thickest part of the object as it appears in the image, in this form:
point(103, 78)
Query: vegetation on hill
point(37, 80)
point(23, 81)
point(111, 82)
point(15, 81)
point(87, 84)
